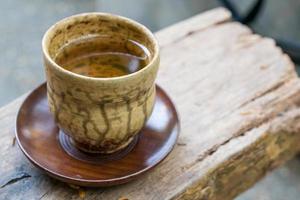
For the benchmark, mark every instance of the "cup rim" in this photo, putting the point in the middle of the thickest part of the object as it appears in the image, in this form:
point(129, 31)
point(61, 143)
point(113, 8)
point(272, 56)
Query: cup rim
point(66, 19)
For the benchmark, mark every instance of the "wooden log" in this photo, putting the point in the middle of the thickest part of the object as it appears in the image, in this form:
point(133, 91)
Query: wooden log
point(237, 95)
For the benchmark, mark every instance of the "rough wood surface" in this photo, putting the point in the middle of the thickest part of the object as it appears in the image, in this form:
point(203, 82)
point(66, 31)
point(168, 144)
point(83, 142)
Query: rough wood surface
point(237, 95)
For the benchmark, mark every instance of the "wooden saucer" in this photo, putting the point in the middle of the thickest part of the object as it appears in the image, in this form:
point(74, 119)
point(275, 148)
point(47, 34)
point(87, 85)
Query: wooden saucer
point(41, 141)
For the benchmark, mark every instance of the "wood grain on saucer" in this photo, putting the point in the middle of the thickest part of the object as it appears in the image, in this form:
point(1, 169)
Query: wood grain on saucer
point(38, 137)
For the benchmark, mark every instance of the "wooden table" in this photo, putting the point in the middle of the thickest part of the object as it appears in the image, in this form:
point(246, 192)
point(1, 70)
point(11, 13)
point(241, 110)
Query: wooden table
point(237, 95)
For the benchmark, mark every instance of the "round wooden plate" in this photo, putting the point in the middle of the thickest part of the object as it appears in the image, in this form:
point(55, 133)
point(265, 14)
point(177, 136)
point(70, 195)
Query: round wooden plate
point(42, 143)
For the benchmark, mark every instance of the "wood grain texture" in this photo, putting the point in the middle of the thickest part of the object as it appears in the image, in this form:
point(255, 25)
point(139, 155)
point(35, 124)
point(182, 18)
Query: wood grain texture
point(237, 95)
point(37, 136)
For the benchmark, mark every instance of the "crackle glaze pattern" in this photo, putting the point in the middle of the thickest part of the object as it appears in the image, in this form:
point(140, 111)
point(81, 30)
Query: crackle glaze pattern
point(100, 114)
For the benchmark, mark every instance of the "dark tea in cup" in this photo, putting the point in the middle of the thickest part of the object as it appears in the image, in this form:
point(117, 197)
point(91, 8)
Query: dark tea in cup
point(102, 57)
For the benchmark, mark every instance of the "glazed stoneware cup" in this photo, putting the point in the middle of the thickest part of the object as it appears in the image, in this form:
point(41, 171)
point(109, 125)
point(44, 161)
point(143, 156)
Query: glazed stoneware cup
point(101, 115)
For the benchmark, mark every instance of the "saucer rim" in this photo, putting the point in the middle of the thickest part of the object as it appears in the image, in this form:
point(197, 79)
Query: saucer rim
point(103, 182)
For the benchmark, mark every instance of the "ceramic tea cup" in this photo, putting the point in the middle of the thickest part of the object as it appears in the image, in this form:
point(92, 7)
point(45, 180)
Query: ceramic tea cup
point(101, 115)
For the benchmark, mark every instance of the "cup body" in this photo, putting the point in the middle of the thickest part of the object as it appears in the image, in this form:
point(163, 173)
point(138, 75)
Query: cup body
point(101, 115)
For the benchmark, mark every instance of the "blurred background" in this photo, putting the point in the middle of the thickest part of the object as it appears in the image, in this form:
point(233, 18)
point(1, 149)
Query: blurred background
point(23, 23)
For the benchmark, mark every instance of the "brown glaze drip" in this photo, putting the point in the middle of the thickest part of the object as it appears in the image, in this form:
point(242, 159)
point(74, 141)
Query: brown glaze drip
point(104, 115)
point(57, 156)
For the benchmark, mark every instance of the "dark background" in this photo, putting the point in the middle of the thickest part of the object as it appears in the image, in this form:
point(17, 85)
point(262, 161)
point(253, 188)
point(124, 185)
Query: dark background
point(23, 23)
